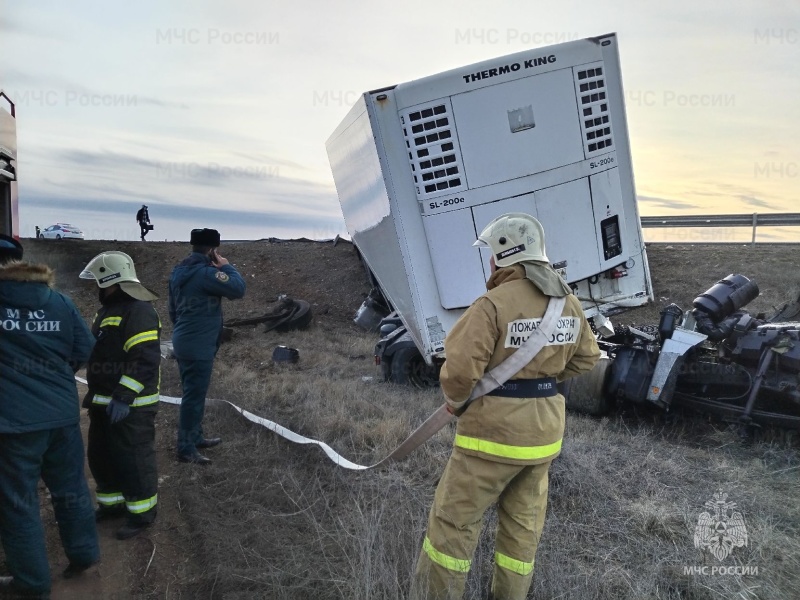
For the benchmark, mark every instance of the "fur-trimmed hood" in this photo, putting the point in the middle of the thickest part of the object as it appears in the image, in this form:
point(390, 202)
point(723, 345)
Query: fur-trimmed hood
point(43, 339)
point(25, 285)
point(23, 271)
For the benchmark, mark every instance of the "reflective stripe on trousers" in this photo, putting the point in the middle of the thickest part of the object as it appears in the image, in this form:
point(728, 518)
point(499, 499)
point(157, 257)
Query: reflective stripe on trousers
point(512, 564)
point(469, 485)
point(448, 562)
point(507, 451)
point(122, 459)
point(110, 499)
point(140, 506)
point(136, 506)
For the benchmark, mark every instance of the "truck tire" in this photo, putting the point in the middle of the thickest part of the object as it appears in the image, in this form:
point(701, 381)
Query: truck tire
point(299, 318)
point(584, 394)
point(409, 368)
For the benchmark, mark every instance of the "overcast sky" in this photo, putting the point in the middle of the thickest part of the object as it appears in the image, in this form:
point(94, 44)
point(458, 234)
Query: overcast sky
point(215, 114)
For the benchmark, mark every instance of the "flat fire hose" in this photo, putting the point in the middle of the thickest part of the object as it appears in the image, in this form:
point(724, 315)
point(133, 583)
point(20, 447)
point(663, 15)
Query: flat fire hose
point(441, 417)
point(433, 424)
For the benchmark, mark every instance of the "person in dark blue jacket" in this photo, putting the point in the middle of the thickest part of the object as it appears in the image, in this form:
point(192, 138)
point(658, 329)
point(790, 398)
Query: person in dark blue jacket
point(196, 289)
point(43, 341)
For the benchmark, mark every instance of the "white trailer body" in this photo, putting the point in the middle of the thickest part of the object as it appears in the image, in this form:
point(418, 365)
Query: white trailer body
point(421, 167)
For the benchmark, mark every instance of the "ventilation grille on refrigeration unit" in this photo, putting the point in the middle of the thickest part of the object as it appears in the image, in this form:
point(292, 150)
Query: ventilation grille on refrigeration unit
point(590, 85)
point(433, 149)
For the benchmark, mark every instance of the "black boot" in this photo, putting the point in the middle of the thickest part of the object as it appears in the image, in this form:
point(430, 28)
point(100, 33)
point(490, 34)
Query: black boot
point(75, 569)
point(209, 442)
point(130, 530)
point(106, 514)
point(195, 458)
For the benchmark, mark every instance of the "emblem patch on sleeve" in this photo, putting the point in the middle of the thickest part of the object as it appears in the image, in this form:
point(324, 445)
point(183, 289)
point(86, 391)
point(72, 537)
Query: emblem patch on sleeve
point(223, 277)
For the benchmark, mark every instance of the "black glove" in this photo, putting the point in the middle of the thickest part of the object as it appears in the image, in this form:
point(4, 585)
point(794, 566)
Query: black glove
point(117, 410)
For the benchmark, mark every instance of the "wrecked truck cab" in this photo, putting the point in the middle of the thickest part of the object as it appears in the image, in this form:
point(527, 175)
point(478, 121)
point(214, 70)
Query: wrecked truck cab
point(715, 358)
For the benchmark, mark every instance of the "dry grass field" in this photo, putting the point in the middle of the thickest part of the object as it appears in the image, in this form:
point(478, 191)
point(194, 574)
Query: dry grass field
point(270, 519)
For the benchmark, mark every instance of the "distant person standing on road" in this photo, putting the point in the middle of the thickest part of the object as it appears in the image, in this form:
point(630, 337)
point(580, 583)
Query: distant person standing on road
point(196, 289)
point(123, 376)
point(143, 218)
point(44, 341)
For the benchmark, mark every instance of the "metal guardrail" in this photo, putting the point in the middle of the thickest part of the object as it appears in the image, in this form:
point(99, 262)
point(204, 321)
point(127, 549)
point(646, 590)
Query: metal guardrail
point(740, 220)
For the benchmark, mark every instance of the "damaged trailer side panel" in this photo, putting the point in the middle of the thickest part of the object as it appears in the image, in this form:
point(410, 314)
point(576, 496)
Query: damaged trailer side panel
point(420, 168)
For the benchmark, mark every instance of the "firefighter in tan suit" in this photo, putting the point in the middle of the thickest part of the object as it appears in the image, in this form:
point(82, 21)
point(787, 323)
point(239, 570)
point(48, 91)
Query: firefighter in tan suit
point(505, 441)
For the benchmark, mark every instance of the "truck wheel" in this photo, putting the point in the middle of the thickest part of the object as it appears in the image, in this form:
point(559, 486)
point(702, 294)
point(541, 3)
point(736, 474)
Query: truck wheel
point(584, 394)
point(299, 319)
point(409, 368)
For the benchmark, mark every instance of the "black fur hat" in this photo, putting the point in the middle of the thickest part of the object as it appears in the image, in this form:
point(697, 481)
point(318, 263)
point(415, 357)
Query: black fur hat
point(10, 249)
point(205, 237)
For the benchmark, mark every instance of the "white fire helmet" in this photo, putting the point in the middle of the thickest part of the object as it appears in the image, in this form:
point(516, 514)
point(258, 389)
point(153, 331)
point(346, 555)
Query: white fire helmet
point(112, 267)
point(513, 238)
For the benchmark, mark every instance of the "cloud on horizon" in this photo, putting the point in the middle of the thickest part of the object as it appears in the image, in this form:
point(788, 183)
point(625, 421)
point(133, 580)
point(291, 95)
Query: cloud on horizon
point(122, 174)
point(667, 203)
point(753, 201)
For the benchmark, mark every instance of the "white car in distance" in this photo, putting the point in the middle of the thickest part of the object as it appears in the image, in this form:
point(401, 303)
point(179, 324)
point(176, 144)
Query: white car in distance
point(61, 231)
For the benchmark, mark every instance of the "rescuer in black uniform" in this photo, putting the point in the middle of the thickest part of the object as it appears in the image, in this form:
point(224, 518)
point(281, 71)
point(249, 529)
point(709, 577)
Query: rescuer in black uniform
point(123, 376)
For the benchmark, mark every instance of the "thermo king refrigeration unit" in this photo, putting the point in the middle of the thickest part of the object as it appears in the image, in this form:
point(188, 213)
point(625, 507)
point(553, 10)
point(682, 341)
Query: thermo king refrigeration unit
point(421, 167)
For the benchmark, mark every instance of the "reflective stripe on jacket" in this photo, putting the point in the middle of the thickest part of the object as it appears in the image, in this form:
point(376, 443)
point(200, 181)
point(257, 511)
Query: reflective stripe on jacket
point(138, 401)
point(513, 430)
point(126, 359)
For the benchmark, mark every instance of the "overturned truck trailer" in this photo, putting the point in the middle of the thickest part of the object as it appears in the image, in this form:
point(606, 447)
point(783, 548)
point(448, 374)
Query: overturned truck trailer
point(421, 167)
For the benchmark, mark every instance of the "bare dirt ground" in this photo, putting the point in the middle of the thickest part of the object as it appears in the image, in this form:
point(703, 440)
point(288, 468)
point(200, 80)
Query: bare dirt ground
point(269, 519)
